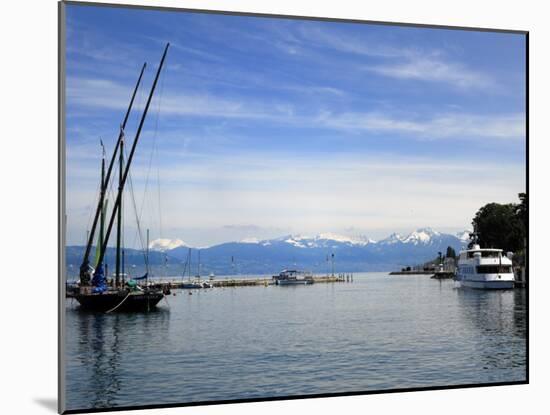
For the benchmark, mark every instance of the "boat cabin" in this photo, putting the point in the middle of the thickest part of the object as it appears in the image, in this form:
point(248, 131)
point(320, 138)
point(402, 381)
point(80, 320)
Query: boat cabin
point(292, 274)
point(477, 252)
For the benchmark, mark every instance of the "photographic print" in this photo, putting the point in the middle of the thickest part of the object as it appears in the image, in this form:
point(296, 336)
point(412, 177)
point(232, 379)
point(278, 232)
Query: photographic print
point(264, 207)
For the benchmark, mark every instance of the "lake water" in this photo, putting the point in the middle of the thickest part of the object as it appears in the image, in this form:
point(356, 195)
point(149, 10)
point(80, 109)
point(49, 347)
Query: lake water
point(379, 332)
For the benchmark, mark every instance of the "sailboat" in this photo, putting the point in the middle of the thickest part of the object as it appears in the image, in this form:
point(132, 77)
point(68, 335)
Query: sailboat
point(95, 292)
point(203, 284)
point(189, 284)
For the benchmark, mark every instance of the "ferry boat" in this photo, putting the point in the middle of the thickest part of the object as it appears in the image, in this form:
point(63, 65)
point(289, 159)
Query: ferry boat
point(485, 269)
point(293, 277)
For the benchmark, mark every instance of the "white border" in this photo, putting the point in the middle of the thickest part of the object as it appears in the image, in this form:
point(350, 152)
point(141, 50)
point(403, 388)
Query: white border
point(29, 203)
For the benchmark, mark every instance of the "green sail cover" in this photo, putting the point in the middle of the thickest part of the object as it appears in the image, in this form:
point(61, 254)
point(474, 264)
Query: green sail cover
point(101, 233)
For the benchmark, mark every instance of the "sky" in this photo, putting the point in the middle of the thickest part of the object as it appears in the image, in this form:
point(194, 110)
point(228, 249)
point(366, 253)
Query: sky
point(262, 127)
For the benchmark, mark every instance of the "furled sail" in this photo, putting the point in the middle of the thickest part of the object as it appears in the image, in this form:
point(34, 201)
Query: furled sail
point(100, 235)
point(99, 282)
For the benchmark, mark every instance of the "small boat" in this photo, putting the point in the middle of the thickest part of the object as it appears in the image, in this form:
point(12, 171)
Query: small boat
point(293, 277)
point(485, 269)
point(189, 285)
point(193, 282)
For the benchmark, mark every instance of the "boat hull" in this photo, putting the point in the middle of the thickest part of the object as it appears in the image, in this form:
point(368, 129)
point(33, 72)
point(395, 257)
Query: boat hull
point(488, 285)
point(138, 301)
point(190, 286)
point(294, 282)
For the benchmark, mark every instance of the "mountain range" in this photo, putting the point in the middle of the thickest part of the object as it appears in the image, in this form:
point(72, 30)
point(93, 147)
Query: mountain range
point(314, 253)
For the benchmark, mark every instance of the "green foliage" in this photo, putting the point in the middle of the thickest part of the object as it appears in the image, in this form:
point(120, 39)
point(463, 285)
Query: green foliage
point(502, 226)
point(451, 253)
point(521, 209)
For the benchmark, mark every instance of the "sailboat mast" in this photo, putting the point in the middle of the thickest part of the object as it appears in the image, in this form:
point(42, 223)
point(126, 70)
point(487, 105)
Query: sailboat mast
point(186, 264)
point(119, 212)
point(147, 253)
point(103, 188)
point(90, 236)
point(130, 157)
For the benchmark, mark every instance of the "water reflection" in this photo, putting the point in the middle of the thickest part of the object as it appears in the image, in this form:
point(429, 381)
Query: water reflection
point(231, 343)
point(499, 319)
point(494, 310)
point(104, 342)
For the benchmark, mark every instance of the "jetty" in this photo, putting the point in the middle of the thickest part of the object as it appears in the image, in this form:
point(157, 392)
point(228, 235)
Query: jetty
point(242, 282)
point(443, 275)
point(177, 283)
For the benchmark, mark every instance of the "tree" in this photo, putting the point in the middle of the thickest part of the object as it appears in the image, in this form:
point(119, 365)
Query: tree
point(451, 253)
point(522, 210)
point(500, 226)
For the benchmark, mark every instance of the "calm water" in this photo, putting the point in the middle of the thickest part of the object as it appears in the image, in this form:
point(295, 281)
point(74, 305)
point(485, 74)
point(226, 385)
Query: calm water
point(379, 332)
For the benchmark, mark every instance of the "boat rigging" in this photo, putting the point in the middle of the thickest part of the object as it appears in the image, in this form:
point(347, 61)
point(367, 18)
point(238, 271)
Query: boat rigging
point(94, 291)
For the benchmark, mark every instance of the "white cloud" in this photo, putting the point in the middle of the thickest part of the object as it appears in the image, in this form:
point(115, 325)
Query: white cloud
point(447, 125)
point(102, 94)
point(309, 195)
point(366, 46)
point(434, 70)
point(408, 63)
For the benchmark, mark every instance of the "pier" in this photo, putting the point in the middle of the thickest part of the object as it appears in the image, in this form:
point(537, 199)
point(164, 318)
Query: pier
point(176, 284)
point(443, 275)
point(246, 282)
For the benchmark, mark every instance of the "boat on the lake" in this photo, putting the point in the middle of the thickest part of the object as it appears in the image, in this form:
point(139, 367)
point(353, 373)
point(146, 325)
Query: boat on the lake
point(485, 268)
point(293, 277)
point(95, 291)
point(190, 285)
point(193, 283)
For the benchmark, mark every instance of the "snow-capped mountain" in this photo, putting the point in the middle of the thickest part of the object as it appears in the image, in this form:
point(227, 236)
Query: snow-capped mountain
point(311, 252)
point(464, 236)
point(253, 256)
point(322, 240)
point(392, 239)
point(360, 240)
point(164, 244)
point(421, 236)
point(426, 237)
point(250, 241)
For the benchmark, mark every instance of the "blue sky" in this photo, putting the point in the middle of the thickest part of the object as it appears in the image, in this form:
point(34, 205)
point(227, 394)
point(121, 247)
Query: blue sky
point(262, 127)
